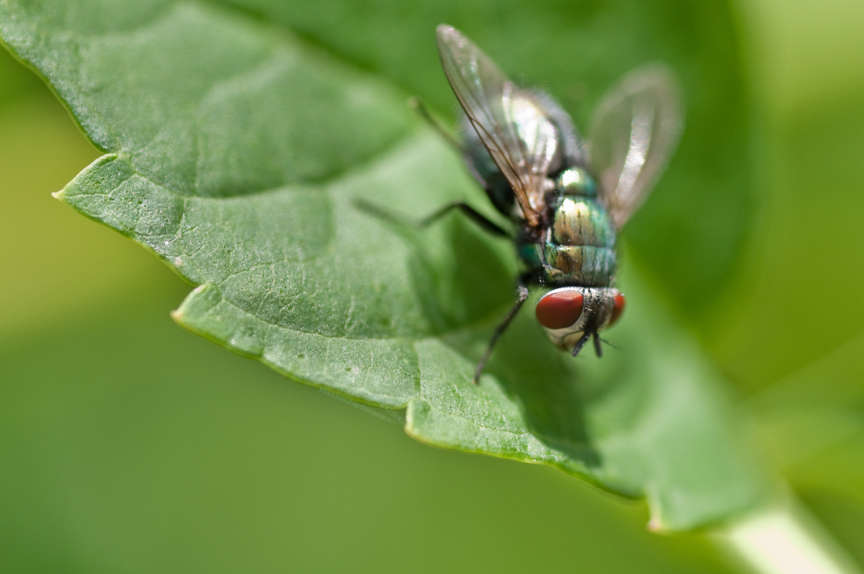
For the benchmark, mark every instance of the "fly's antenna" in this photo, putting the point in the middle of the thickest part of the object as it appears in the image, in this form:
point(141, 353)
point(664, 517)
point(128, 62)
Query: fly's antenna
point(610, 343)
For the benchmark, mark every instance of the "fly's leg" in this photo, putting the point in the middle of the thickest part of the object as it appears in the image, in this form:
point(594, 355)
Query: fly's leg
point(481, 220)
point(521, 296)
point(598, 348)
point(474, 215)
point(579, 344)
point(421, 109)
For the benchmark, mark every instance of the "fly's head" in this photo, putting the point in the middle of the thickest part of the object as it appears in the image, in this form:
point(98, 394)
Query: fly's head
point(572, 315)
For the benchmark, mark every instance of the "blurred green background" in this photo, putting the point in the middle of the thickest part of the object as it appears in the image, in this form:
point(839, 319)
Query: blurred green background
point(130, 445)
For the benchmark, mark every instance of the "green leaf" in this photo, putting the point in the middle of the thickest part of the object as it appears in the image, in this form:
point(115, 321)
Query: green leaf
point(237, 150)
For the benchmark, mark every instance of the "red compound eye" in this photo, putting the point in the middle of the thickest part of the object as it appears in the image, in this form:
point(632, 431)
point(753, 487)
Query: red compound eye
point(559, 310)
point(620, 303)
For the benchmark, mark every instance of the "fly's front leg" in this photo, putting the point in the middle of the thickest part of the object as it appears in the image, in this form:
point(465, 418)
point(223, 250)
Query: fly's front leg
point(598, 348)
point(521, 296)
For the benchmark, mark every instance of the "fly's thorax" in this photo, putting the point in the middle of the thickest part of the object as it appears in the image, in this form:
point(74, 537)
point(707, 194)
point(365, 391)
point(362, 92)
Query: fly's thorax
point(576, 180)
point(557, 264)
point(579, 265)
point(569, 264)
point(580, 220)
point(578, 246)
point(568, 313)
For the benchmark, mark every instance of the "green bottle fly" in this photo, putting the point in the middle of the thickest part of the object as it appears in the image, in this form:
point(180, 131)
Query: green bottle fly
point(568, 197)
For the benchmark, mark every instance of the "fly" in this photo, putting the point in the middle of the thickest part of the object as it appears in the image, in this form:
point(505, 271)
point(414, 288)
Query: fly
point(568, 197)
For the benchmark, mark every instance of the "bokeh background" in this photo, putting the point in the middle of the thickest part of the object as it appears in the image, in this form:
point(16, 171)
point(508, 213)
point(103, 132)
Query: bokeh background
point(130, 445)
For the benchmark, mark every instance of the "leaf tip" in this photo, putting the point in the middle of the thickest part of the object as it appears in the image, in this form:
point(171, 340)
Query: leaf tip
point(60, 194)
point(177, 315)
point(655, 525)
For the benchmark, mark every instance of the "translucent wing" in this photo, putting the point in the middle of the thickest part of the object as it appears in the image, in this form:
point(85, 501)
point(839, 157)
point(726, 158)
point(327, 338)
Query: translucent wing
point(635, 130)
point(521, 139)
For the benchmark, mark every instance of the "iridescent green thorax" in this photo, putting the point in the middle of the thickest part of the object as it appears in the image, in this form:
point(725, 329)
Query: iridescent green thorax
point(578, 247)
point(576, 181)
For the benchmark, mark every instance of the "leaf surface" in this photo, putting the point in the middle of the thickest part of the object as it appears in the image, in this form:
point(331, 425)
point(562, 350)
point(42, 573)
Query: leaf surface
point(238, 150)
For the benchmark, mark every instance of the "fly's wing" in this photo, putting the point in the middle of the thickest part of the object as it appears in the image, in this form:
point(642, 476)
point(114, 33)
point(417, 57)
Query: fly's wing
point(522, 141)
point(634, 132)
